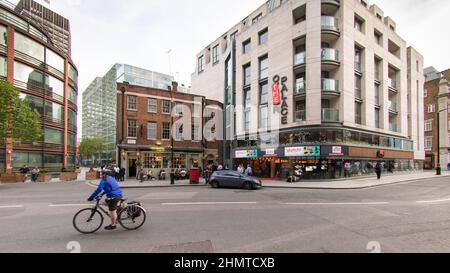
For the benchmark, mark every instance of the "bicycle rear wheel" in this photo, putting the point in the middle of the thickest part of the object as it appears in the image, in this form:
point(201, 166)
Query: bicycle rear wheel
point(88, 221)
point(132, 217)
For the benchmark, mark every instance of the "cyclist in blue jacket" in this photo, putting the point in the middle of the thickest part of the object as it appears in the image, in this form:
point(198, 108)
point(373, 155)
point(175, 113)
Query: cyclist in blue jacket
point(111, 188)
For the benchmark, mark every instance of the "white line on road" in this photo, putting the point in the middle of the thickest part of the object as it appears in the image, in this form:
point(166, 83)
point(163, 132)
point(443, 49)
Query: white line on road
point(69, 205)
point(433, 201)
point(336, 204)
point(209, 203)
point(12, 207)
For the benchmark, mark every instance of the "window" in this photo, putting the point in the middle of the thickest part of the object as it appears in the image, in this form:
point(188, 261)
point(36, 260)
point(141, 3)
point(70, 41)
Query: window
point(264, 37)
point(428, 143)
point(54, 60)
point(132, 128)
point(257, 18)
point(195, 132)
point(201, 63)
point(71, 140)
point(431, 108)
point(73, 74)
point(233, 36)
point(151, 130)
point(197, 110)
point(425, 93)
point(152, 161)
point(166, 107)
point(72, 95)
point(358, 108)
point(55, 86)
point(3, 67)
point(28, 76)
point(132, 103)
point(377, 118)
point(215, 54)
point(179, 132)
point(263, 117)
point(359, 23)
point(247, 46)
point(152, 106)
point(247, 114)
point(377, 94)
point(54, 111)
point(263, 68)
point(28, 46)
point(263, 93)
point(165, 132)
point(429, 125)
point(53, 136)
point(378, 37)
point(179, 108)
point(247, 98)
point(358, 58)
point(247, 75)
point(72, 118)
point(3, 35)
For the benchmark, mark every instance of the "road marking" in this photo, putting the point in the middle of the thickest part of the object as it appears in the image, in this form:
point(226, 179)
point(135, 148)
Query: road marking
point(336, 204)
point(12, 207)
point(209, 203)
point(433, 201)
point(69, 205)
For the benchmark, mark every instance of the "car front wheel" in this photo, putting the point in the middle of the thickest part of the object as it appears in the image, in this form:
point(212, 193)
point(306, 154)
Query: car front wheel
point(215, 184)
point(248, 186)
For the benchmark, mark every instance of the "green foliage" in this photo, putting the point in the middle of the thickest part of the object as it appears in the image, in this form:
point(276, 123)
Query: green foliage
point(25, 123)
point(89, 147)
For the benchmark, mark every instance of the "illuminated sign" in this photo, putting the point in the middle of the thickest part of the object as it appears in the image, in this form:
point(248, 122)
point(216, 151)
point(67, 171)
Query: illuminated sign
point(302, 151)
point(279, 97)
point(271, 152)
point(336, 151)
point(247, 154)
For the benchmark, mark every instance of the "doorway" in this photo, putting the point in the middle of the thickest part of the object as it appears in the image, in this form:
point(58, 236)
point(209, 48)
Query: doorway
point(132, 167)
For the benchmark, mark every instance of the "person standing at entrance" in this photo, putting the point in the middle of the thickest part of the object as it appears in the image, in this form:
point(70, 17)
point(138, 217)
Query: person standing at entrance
point(378, 170)
point(347, 169)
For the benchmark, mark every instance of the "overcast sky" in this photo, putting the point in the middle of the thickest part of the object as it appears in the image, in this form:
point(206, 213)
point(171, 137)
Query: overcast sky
point(140, 32)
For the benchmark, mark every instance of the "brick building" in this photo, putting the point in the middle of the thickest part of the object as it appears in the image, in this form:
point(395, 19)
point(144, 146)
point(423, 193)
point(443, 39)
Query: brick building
point(437, 92)
point(145, 124)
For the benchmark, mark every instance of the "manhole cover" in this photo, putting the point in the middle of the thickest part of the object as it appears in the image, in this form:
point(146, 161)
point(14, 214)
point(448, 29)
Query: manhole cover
point(196, 247)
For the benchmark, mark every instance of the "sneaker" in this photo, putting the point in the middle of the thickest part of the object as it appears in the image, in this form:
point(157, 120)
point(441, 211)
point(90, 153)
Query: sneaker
point(110, 227)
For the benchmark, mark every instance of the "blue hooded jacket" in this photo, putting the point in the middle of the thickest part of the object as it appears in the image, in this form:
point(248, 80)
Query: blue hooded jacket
point(110, 187)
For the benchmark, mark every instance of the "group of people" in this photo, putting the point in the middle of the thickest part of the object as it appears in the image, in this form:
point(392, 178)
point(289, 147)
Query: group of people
point(25, 170)
point(149, 176)
point(247, 171)
point(119, 173)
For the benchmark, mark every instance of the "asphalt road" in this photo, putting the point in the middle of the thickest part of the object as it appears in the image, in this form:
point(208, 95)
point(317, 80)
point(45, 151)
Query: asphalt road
point(409, 217)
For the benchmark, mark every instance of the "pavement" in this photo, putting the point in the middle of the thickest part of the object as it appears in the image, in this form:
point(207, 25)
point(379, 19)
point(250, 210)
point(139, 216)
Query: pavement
point(343, 184)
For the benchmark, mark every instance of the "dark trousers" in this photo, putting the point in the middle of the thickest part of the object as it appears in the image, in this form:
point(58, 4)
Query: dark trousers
point(379, 175)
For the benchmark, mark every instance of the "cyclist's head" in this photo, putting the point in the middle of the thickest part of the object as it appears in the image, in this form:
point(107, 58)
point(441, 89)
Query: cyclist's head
point(107, 173)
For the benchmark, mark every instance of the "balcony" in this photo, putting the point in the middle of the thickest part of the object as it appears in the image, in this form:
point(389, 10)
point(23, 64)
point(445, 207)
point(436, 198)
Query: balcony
point(330, 115)
point(330, 58)
point(300, 116)
point(300, 88)
point(392, 84)
point(336, 3)
point(300, 59)
point(329, 25)
point(330, 87)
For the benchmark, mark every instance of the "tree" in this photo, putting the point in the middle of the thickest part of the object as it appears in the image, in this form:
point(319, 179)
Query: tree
point(89, 147)
point(17, 120)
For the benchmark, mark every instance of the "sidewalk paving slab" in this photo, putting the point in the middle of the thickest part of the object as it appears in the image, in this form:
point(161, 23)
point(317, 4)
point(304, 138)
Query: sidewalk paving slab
point(348, 184)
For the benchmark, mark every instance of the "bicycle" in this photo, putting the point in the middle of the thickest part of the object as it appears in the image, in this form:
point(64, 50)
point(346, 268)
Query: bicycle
point(131, 216)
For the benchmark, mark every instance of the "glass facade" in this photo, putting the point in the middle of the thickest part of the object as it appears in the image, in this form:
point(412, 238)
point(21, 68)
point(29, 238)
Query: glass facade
point(29, 46)
point(72, 118)
point(54, 60)
point(71, 140)
point(3, 67)
point(73, 74)
point(54, 111)
point(53, 136)
point(28, 75)
point(53, 160)
point(72, 95)
point(3, 35)
point(55, 86)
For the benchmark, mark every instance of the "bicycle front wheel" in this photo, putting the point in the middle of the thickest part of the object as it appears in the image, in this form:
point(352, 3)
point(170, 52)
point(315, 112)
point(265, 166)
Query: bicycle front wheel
point(88, 221)
point(132, 217)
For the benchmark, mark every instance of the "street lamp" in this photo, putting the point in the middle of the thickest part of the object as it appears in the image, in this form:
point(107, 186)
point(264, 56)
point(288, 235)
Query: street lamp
point(172, 171)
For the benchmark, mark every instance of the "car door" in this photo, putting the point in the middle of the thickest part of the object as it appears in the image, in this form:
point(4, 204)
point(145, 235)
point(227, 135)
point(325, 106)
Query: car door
point(234, 179)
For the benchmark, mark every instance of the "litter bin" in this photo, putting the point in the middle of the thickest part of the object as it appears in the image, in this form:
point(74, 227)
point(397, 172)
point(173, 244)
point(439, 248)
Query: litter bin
point(194, 176)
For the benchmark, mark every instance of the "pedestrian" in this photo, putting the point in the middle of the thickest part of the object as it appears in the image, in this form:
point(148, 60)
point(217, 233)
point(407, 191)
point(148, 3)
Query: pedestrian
point(150, 175)
point(24, 171)
point(122, 174)
point(117, 173)
point(35, 174)
point(226, 167)
point(378, 170)
point(347, 169)
point(220, 167)
point(141, 175)
point(249, 170)
point(241, 169)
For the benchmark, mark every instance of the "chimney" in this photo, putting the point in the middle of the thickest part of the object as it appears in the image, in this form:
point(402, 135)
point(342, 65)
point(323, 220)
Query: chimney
point(174, 86)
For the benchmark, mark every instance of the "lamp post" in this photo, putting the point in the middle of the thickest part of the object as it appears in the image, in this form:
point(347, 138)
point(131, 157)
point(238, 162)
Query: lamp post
point(172, 171)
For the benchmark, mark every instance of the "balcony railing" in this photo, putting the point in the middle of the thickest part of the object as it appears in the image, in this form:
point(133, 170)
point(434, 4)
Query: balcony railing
point(330, 54)
point(300, 58)
point(329, 23)
point(392, 83)
point(300, 88)
point(300, 115)
point(330, 115)
point(330, 85)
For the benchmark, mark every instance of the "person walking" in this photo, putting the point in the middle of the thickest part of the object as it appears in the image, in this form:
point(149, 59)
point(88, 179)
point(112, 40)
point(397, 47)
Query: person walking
point(249, 171)
point(241, 169)
point(378, 170)
point(35, 174)
point(347, 169)
point(24, 171)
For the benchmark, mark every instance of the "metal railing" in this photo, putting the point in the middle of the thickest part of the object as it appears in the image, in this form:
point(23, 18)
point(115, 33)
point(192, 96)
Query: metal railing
point(330, 115)
point(300, 58)
point(330, 54)
point(300, 115)
point(19, 22)
point(3, 49)
point(29, 59)
point(38, 89)
point(330, 85)
point(329, 23)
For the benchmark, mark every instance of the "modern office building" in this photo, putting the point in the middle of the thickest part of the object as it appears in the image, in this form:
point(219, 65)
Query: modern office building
point(147, 118)
point(47, 78)
point(323, 84)
point(99, 102)
point(55, 26)
point(437, 105)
